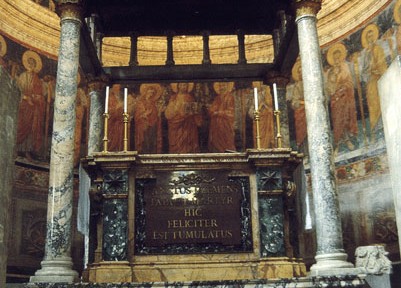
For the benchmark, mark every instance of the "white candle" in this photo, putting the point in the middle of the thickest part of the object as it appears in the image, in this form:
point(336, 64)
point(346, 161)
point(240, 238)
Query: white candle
point(275, 96)
point(106, 102)
point(255, 93)
point(125, 99)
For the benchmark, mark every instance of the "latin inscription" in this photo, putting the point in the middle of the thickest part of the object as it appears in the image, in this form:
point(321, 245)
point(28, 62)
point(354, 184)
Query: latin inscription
point(188, 209)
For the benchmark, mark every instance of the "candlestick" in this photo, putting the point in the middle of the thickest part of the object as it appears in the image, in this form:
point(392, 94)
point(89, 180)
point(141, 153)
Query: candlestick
point(255, 93)
point(125, 99)
point(278, 136)
point(105, 138)
point(125, 140)
point(106, 102)
point(275, 96)
point(257, 136)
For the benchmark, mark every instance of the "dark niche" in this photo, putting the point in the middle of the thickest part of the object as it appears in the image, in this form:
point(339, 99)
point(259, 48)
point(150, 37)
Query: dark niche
point(192, 212)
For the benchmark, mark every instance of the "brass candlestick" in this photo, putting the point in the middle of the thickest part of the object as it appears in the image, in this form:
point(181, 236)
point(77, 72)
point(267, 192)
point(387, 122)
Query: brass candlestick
point(105, 139)
point(125, 117)
point(257, 119)
point(277, 114)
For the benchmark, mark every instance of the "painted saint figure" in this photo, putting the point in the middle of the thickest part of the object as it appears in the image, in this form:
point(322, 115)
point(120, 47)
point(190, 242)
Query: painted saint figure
point(296, 98)
point(266, 125)
point(148, 128)
point(340, 88)
point(184, 118)
point(116, 125)
point(221, 112)
point(374, 65)
point(32, 107)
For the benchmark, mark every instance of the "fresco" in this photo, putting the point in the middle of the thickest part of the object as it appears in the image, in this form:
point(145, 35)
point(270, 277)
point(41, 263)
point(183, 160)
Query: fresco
point(352, 67)
point(198, 117)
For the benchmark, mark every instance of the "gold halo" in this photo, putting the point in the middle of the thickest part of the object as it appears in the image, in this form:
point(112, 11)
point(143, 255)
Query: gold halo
point(175, 89)
point(144, 87)
point(397, 12)
point(216, 86)
point(294, 71)
point(31, 54)
point(336, 47)
point(371, 27)
point(3, 49)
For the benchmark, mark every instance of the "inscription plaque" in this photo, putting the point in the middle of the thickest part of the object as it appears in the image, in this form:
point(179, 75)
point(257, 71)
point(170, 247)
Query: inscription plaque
point(192, 212)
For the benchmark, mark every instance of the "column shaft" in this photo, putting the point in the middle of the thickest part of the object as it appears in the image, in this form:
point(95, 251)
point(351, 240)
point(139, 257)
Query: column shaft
point(330, 256)
point(95, 117)
point(57, 264)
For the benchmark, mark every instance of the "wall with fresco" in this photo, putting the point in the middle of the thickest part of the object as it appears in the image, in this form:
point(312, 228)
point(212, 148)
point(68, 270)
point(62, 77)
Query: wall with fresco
point(352, 66)
point(218, 117)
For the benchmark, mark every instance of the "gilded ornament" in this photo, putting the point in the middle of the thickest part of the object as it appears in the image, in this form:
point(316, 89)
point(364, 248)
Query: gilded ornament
point(295, 72)
point(3, 46)
point(174, 87)
point(371, 29)
point(32, 61)
point(218, 89)
point(397, 12)
point(156, 87)
point(307, 7)
point(336, 48)
point(69, 10)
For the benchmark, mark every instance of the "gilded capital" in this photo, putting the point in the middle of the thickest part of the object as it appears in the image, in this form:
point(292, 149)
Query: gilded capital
point(71, 9)
point(97, 83)
point(307, 7)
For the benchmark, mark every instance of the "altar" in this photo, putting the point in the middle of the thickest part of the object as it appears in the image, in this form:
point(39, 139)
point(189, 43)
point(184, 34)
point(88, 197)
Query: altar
point(192, 217)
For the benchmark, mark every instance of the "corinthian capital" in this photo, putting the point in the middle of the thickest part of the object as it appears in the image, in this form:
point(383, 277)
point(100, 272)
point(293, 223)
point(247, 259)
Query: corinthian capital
point(307, 7)
point(69, 9)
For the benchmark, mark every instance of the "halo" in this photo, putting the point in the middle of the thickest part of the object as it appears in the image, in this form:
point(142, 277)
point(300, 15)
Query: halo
point(294, 71)
point(397, 12)
point(174, 86)
point(31, 54)
point(216, 86)
point(371, 27)
point(3, 49)
point(340, 47)
point(144, 87)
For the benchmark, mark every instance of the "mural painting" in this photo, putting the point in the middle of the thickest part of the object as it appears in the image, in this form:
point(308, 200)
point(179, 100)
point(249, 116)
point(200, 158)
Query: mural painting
point(352, 68)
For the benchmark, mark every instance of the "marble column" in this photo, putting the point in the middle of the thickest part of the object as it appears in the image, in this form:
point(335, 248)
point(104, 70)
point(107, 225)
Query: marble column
point(281, 82)
point(57, 263)
point(96, 122)
point(331, 258)
point(9, 104)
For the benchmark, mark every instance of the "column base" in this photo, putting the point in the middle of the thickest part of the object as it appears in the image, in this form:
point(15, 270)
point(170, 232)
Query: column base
point(55, 271)
point(333, 264)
